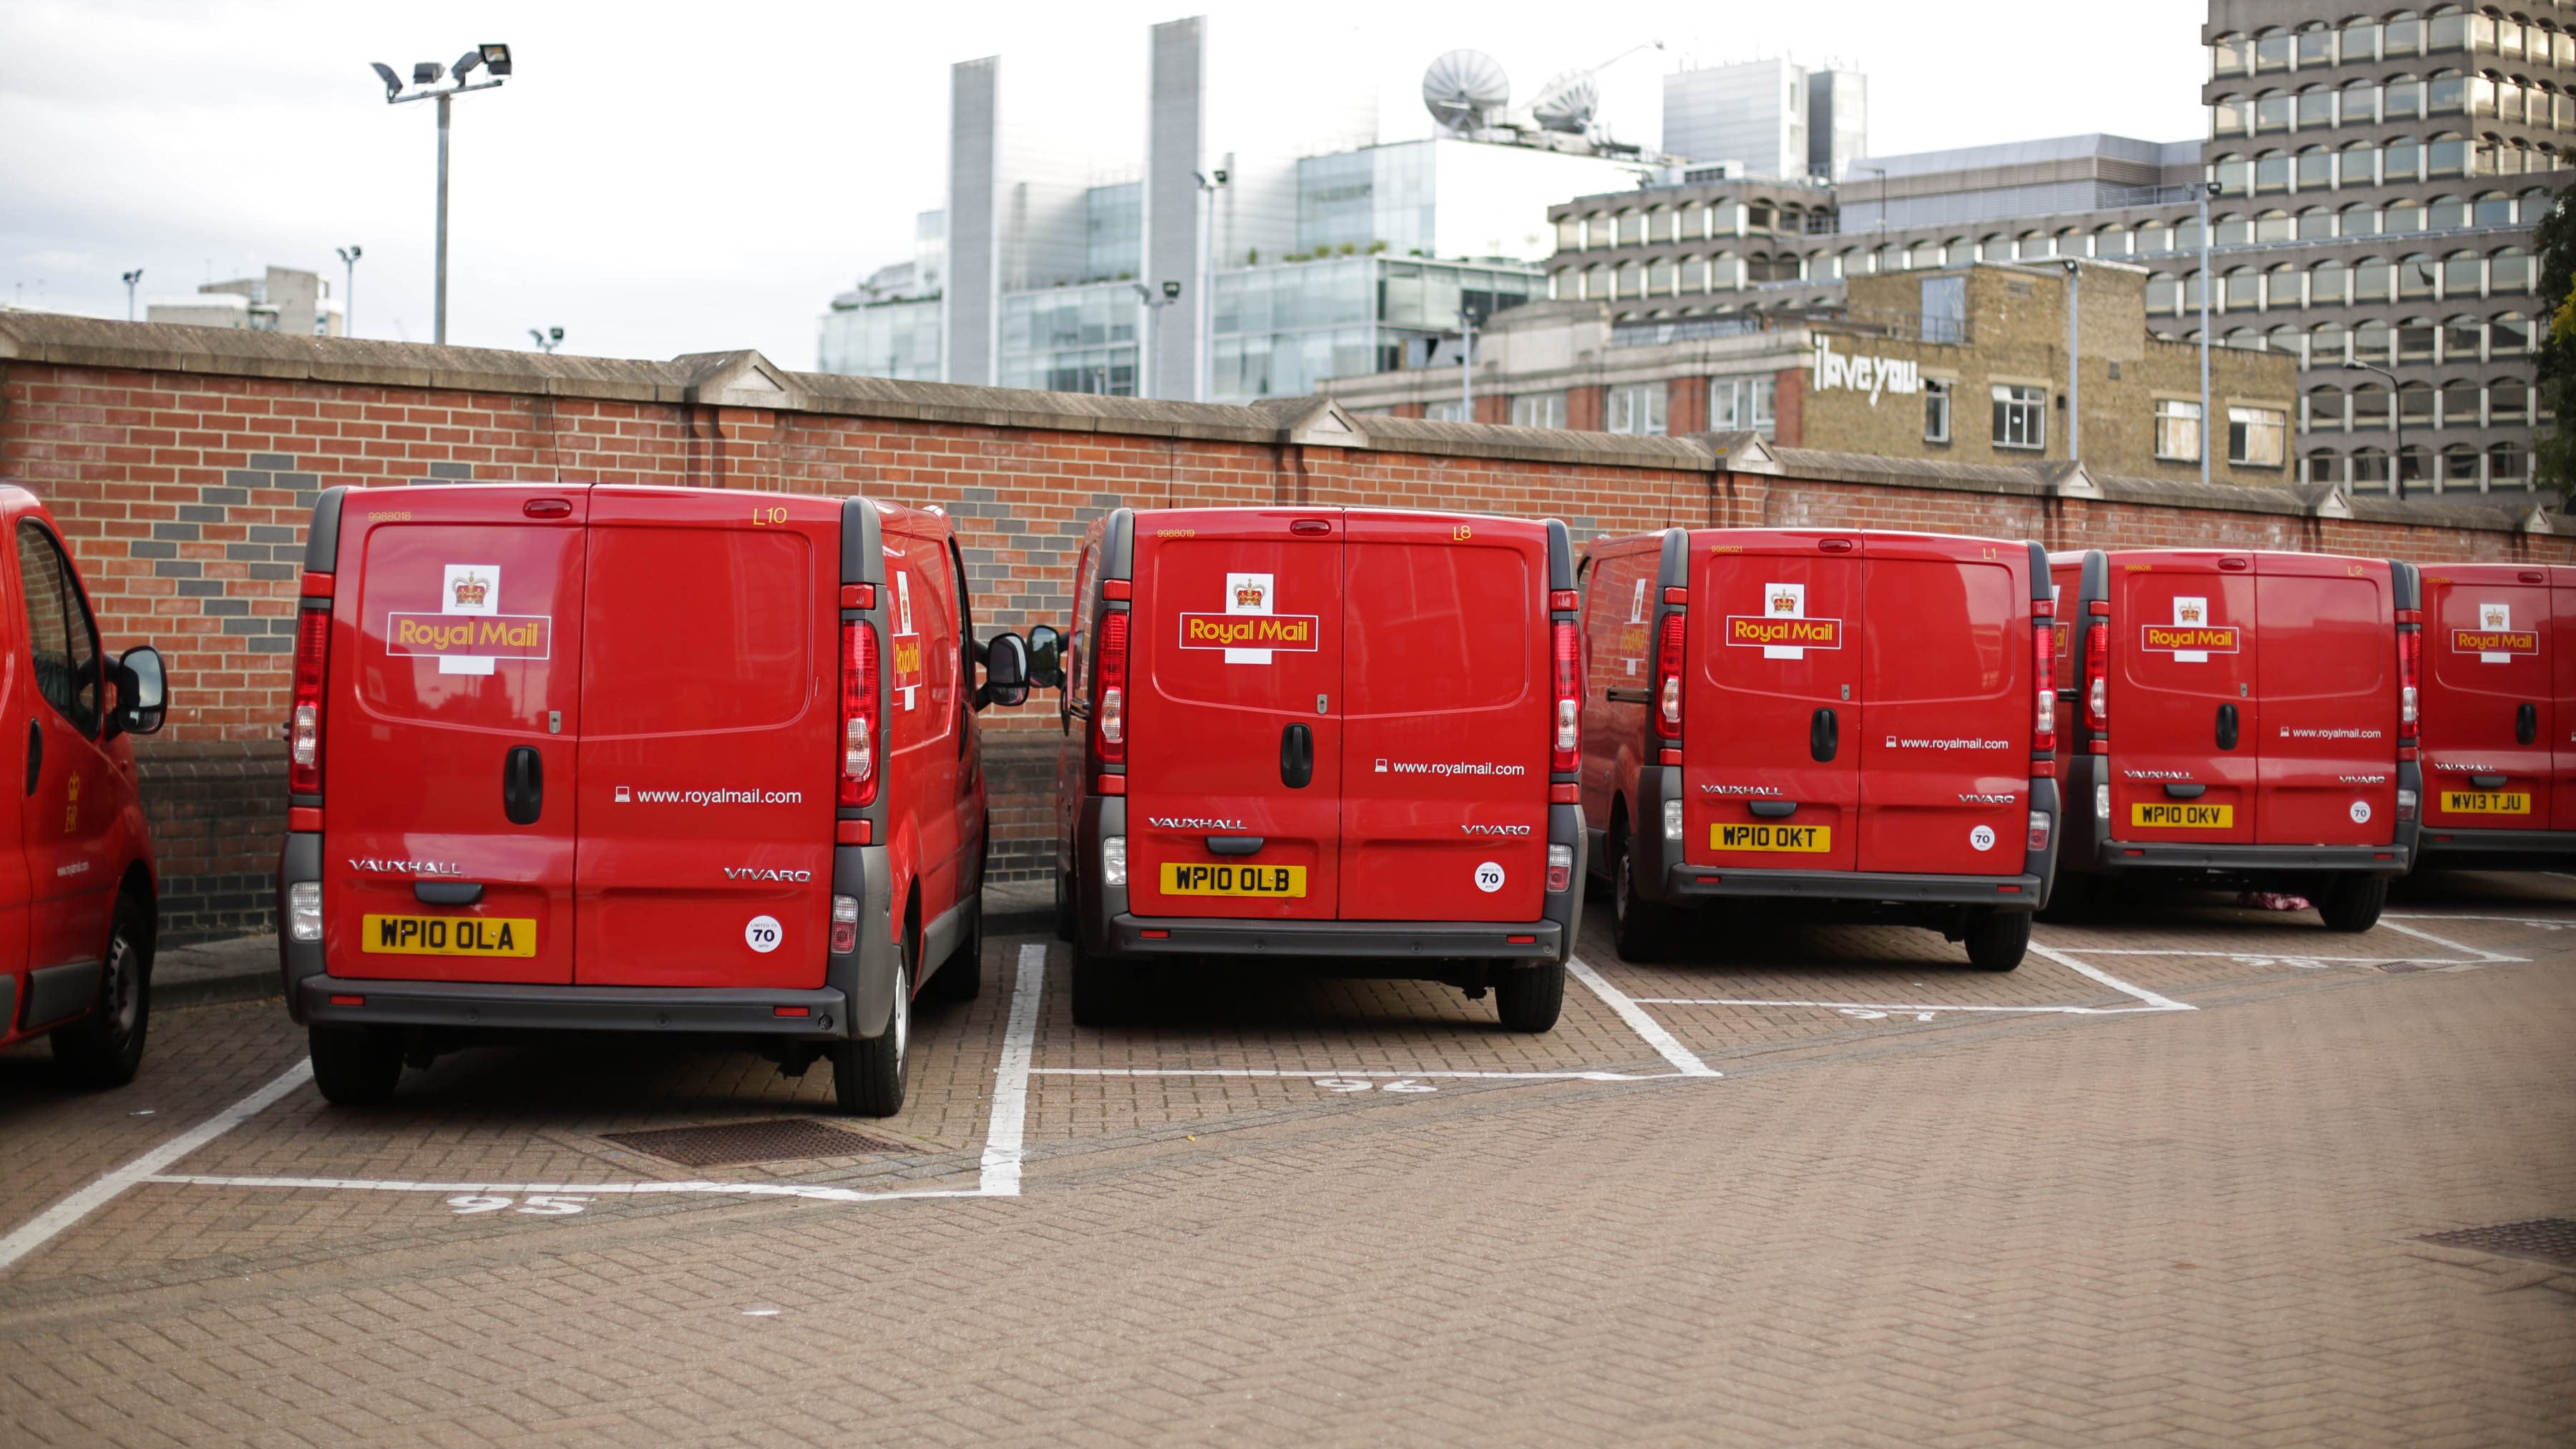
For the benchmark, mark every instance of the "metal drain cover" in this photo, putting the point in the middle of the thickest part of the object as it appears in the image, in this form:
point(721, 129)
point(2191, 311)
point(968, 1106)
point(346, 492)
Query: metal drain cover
point(793, 1138)
point(2551, 1240)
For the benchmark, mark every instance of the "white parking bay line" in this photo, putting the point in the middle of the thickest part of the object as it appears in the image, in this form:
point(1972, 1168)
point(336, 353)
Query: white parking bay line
point(1302, 1073)
point(2483, 957)
point(2096, 973)
point(815, 1191)
point(50, 1223)
point(1004, 1136)
point(1685, 1062)
point(1885, 1006)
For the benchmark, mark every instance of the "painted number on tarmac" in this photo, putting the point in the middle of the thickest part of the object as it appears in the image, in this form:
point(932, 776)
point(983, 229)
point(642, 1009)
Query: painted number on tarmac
point(543, 1205)
point(1356, 1084)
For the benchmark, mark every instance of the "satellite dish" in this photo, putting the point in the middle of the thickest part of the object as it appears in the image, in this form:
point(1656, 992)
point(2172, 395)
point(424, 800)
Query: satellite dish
point(1465, 89)
point(1567, 103)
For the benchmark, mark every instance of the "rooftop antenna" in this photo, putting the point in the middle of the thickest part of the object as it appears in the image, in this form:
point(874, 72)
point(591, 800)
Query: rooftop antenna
point(1466, 90)
point(1568, 102)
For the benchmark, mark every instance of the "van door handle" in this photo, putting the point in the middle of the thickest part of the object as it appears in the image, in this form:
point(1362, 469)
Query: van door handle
point(1235, 844)
point(2227, 726)
point(2487, 782)
point(447, 892)
point(2185, 792)
point(1772, 809)
point(2526, 723)
point(1824, 735)
point(1621, 694)
point(523, 785)
point(35, 755)
point(1296, 756)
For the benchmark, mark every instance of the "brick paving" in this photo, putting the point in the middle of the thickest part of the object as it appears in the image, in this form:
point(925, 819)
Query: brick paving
point(2185, 1226)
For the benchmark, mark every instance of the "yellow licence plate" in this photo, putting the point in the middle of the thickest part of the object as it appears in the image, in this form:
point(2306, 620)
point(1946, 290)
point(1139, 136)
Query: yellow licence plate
point(449, 936)
point(1270, 882)
point(2486, 802)
point(1799, 839)
point(2184, 817)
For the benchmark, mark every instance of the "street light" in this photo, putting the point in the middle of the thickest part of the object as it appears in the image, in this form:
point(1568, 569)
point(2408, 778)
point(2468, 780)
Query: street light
point(2396, 419)
point(493, 58)
point(349, 290)
point(131, 278)
point(2207, 190)
point(548, 338)
point(1204, 373)
point(1154, 306)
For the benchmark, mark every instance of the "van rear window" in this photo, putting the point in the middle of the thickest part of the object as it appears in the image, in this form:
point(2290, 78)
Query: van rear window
point(697, 629)
point(1950, 619)
point(1436, 628)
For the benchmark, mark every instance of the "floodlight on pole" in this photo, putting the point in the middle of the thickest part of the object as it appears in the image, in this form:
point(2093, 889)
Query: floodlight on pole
point(131, 278)
point(2396, 420)
point(349, 290)
point(1154, 305)
point(547, 338)
point(428, 73)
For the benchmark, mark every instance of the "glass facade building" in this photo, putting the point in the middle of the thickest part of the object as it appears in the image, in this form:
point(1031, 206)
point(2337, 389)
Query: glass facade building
point(1073, 339)
point(897, 339)
point(1281, 330)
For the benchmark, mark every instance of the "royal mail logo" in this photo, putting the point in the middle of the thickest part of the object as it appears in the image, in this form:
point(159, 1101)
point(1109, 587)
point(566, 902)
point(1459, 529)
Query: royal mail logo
point(2185, 639)
point(2495, 641)
point(1249, 596)
point(2189, 611)
point(1772, 632)
point(1249, 631)
point(460, 636)
point(1785, 602)
point(2495, 616)
point(471, 590)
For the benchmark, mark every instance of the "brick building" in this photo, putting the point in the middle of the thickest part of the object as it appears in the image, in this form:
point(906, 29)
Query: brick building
point(1966, 364)
point(182, 462)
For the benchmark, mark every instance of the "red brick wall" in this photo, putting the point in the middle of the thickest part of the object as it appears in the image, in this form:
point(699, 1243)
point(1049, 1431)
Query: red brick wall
point(184, 495)
point(1789, 407)
point(1686, 406)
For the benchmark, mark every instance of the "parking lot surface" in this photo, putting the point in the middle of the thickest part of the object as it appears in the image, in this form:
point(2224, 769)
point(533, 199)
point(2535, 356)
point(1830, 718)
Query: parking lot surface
point(1804, 1183)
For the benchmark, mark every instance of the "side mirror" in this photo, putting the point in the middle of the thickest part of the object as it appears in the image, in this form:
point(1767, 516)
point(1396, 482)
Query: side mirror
point(1006, 671)
point(1046, 657)
point(142, 693)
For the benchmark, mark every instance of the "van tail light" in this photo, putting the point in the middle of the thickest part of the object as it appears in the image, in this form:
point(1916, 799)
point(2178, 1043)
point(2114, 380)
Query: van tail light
point(2097, 682)
point(1568, 737)
point(845, 925)
point(1109, 703)
point(2039, 826)
point(304, 723)
point(2410, 669)
point(1668, 679)
point(2043, 674)
point(2405, 807)
point(862, 714)
point(1560, 868)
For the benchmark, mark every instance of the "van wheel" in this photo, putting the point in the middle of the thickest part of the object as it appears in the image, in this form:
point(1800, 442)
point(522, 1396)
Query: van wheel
point(1528, 998)
point(1997, 940)
point(2353, 904)
point(105, 1048)
point(1103, 990)
point(1640, 928)
point(961, 976)
point(353, 1066)
point(868, 1073)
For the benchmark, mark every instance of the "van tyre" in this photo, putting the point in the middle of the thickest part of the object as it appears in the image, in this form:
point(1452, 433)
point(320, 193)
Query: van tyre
point(961, 976)
point(1103, 990)
point(105, 1048)
point(2354, 903)
point(868, 1072)
point(1528, 998)
point(354, 1066)
point(1642, 929)
point(1997, 940)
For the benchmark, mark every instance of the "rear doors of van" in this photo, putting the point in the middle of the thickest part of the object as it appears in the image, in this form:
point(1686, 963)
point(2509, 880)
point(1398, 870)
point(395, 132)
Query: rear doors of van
point(1338, 715)
point(2495, 731)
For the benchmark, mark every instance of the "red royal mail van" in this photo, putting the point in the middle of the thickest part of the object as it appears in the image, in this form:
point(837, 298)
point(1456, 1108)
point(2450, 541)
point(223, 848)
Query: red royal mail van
point(656, 760)
point(2244, 718)
point(2499, 715)
point(1821, 714)
point(77, 885)
point(1321, 732)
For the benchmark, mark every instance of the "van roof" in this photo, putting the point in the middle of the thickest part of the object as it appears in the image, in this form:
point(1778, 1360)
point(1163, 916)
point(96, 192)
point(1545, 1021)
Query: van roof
point(932, 516)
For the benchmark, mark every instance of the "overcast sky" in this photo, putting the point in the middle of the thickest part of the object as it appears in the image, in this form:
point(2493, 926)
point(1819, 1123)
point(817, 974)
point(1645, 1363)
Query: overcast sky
point(662, 179)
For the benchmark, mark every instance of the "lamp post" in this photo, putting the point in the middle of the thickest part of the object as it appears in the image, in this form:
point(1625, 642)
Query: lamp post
point(131, 278)
point(547, 338)
point(1154, 306)
point(2396, 420)
point(1466, 365)
point(1204, 374)
point(1882, 203)
point(2208, 189)
point(349, 289)
point(493, 58)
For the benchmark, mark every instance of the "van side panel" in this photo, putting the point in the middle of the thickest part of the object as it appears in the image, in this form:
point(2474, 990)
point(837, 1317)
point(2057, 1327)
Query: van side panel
point(2490, 642)
point(1235, 658)
point(1619, 675)
point(2184, 648)
point(1445, 720)
point(17, 701)
point(923, 662)
point(2562, 677)
point(456, 638)
point(1773, 675)
point(709, 705)
point(2328, 745)
point(1946, 672)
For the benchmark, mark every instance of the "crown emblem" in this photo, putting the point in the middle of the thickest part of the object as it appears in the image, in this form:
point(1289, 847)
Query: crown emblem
point(2191, 613)
point(1248, 595)
point(2495, 618)
point(1783, 602)
point(471, 591)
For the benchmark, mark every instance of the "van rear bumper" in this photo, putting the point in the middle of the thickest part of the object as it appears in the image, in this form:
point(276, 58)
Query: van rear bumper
point(2115, 856)
point(494, 1006)
point(1392, 940)
point(2446, 840)
point(2009, 892)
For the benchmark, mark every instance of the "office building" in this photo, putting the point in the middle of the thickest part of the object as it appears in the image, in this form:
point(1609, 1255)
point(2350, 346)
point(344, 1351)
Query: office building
point(1768, 118)
point(282, 299)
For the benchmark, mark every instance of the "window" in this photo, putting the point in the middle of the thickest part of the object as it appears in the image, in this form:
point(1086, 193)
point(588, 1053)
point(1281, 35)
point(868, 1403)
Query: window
point(2316, 109)
point(2325, 410)
point(1539, 410)
point(2402, 160)
point(2316, 47)
point(2508, 403)
point(2316, 170)
point(2370, 410)
point(2415, 340)
point(2510, 335)
point(2401, 100)
point(1945, 309)
point(1632, 228)
point(2463, 403)
point(2164, 295)
point(62, 640)
point(2373, 280)
point(2511, 272)
point(2360, 41)
point(1936, 409)
point(1741, 404)
point(2507, 464)
point(2230, 116)
point(2446, 213)
point(2463, 339)
point(2021, 416)
point(2323, 466)
point(1637, 408)
point(1569, 235)
point(1452, 411)
point(2272, 52)
point(2329, 284)
point(2415, 405)
point(2272, 111)
point(2360, 105)
point(2329, 346)
point(2177, 429)
point(2460, 466)
point(2257, 437)
point(2230, 55)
